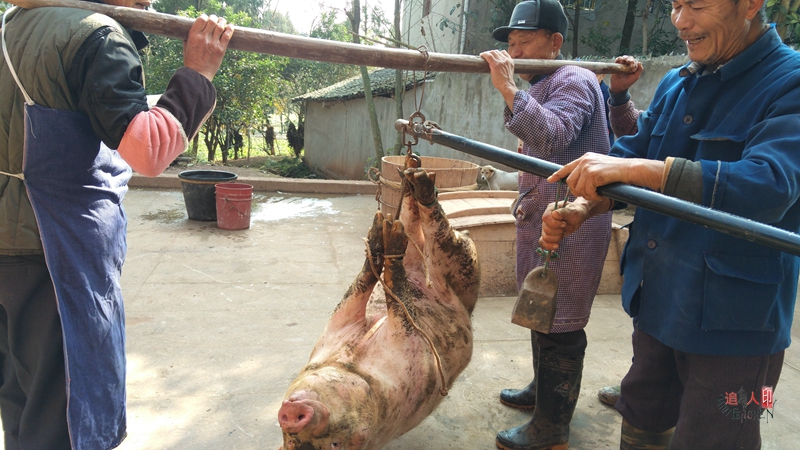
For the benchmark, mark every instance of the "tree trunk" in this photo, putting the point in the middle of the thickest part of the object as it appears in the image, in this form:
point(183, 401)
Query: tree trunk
point(627, 29)
point(225, 146)
point(212, 130)
point(655, 21)
point(355, 20)
point(195, 145)
point(575, 29)
point(399, 86)
point(645, 31)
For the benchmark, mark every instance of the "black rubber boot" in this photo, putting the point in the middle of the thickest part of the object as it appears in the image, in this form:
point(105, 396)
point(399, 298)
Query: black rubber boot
point(558, 384)
point(524, 398)
point(633, 438)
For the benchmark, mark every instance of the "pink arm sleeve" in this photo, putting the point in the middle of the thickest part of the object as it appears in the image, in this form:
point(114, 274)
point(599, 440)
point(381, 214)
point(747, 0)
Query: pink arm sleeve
point(152, 141)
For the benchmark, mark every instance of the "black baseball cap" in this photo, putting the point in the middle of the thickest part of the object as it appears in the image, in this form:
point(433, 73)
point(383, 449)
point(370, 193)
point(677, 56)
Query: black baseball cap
point(534, 15)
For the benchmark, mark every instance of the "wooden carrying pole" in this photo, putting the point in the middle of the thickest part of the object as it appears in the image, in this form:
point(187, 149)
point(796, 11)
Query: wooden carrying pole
point(272, 43)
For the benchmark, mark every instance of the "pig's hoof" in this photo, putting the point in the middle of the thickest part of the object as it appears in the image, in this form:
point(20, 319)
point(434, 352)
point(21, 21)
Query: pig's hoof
point(375, 236)
point(394, 239)
point(422, 185)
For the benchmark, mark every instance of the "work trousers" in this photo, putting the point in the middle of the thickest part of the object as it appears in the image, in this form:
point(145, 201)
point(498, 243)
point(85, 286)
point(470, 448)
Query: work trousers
point(571, 343)
point(714, 402)
point(33, 400)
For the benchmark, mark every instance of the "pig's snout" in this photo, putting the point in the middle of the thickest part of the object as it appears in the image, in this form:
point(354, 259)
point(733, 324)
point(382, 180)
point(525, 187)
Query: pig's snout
point(296, 416)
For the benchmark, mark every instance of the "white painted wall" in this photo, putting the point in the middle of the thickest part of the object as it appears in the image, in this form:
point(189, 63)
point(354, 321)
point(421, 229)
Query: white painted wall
point(339, 140)
point(473, 31)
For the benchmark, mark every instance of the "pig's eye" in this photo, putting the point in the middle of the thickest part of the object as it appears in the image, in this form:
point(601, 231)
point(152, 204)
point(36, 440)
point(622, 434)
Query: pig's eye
point(334, 445)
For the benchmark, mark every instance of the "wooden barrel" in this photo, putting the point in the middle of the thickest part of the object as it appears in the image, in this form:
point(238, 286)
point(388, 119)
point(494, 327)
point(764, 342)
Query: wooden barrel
point(451, 175)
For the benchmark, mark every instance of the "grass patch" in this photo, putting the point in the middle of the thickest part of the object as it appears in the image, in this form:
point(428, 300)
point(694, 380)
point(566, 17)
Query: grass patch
point(289, 167)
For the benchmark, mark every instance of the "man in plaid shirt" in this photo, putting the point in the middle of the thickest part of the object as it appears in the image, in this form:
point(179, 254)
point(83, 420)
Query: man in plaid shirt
point(559, 118)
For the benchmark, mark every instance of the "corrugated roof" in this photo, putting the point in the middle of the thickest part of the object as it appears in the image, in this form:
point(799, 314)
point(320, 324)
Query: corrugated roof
point(381, 81)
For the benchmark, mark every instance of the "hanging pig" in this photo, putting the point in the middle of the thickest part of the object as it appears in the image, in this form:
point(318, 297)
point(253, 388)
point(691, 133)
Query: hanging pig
point(384, 363)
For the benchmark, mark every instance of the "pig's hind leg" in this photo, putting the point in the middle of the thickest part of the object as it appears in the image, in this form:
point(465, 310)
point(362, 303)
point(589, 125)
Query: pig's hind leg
point(399, 291)
point(450, 255)
point(353, 306)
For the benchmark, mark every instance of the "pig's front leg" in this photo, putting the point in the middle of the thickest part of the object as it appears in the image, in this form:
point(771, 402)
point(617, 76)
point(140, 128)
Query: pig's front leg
point(450, 254)
point(353, 306)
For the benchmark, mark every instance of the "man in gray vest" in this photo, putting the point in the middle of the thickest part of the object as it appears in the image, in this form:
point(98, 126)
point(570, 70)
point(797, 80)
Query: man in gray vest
point(73, 121)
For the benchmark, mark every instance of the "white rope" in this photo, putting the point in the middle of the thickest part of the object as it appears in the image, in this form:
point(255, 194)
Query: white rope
point(28, 99)
point(21, 176)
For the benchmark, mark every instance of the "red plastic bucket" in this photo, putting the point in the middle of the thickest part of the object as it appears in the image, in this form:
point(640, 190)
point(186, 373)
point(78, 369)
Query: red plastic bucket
point(233, 205)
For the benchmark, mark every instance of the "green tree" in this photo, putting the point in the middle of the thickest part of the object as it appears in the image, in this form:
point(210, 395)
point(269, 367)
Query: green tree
point(244, 82)
point(300, 76)
point(786, 15)
point(627, 28)
point(355, 20)
point(399, 84)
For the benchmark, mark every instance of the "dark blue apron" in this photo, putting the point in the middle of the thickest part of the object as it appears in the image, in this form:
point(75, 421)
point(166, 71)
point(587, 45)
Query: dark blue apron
point(76, 186)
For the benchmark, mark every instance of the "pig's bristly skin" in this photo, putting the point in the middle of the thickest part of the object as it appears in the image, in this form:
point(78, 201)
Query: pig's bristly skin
point(372, 376)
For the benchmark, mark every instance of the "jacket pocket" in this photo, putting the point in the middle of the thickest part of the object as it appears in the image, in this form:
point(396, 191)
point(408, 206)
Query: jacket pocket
point(740, 292)
point(719, 145)
point(527, 211)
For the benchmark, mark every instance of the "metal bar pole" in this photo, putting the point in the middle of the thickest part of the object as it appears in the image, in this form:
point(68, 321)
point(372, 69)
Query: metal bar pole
point(733, 225)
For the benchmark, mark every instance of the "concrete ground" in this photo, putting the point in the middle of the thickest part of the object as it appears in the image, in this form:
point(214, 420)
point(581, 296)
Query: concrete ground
point(220, 322)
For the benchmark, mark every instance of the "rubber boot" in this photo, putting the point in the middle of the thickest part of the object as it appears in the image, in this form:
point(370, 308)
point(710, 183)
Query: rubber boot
point(524, 398)
point(633, 438)
point(558, 383)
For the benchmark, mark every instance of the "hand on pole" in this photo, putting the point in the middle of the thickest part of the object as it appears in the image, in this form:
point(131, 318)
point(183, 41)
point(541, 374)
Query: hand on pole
point(501, 65)
point(622, 81)
point(206, 45)
point(592, 170)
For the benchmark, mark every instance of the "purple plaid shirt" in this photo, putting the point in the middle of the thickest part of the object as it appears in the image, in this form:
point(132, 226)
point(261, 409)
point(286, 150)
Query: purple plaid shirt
point(560, 118)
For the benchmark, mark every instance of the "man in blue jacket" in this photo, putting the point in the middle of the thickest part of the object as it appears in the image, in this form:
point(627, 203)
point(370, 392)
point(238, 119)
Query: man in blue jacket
point(713, 312)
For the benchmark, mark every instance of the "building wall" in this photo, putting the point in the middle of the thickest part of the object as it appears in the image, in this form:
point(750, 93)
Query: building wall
point(338, 136)
point(471, 33)
point(423, 27)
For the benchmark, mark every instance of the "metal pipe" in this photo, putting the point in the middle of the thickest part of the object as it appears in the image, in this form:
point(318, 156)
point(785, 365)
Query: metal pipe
point(733, 225)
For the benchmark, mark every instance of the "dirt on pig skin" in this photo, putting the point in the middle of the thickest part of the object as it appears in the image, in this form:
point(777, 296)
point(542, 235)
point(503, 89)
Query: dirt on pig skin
point(392, 348)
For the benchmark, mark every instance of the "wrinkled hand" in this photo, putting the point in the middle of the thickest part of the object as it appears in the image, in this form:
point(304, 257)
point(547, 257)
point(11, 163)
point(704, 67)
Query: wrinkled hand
point(560, 223)
point(501, 65)
point(206, 45)
point(622, 81)
point(592, 170)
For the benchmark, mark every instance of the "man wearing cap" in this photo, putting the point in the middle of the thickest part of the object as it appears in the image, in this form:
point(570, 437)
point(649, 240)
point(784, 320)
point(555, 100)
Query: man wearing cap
point(559, 118)
point(713, 312)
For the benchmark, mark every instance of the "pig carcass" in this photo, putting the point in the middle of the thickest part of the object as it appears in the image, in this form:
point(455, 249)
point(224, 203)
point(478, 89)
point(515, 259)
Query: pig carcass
point(385, 361)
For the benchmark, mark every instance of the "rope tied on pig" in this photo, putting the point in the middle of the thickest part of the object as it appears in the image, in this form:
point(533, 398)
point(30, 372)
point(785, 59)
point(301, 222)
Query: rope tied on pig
point(376, 177)
point(436, 357)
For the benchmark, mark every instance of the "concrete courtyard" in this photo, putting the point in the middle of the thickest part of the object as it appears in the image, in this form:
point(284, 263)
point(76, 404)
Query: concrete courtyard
point(220, 322)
